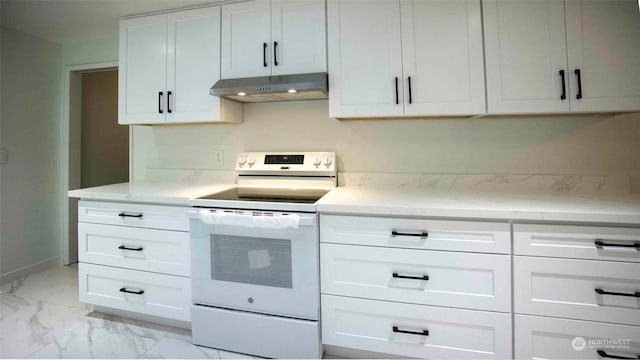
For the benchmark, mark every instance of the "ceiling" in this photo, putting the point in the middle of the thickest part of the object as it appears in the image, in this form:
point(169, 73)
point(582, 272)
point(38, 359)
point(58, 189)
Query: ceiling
point(71, 20)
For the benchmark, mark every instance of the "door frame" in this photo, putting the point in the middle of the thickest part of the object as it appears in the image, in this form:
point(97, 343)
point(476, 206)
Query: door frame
point(70, 143)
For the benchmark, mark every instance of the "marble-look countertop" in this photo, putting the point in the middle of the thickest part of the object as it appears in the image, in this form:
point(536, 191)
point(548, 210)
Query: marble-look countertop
point(174, 193)
point(621, 208)
point(530, 198)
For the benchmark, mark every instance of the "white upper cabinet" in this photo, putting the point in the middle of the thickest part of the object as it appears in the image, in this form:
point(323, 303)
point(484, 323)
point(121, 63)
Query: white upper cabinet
point(442, 57)
point(603, 42)
point(561, 56)
point(525, 48)
point(246, 35)
point(298, 36)
point(365, 61)
point(432, 50)
point(167, 64)
point(193, 65)
point(273, 37)
point(142, 70)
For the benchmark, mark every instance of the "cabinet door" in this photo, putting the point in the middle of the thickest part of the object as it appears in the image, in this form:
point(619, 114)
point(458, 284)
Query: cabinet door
point(525, 49)
point(603, 42)
point(577, 289)
point(443, 57)
point(372, 325)
point(365, 61)
point(193, 65)
point(246, 38)
point(537, 337)
point(142, 70)
point(299, 38)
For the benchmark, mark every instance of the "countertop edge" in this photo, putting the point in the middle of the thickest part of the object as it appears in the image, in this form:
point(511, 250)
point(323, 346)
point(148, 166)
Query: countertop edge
point(479, 214)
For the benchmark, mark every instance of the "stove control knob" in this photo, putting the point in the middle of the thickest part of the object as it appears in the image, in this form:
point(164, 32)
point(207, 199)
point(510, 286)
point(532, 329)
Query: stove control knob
point(327, 161)
point(251, 161)
point(316, 162)
point(242, 160)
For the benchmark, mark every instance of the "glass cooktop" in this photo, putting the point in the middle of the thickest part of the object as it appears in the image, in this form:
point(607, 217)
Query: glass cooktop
point(287, 195)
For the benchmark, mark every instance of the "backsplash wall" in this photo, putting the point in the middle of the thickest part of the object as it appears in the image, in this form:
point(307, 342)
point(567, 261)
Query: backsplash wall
point(583, 145)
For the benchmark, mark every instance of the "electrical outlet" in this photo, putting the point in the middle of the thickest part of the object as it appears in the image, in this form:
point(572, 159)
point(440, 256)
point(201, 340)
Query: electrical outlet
point(4, 156)
point(218, 156)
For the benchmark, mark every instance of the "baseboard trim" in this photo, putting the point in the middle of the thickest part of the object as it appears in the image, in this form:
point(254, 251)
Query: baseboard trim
point(28, 270)
point(338, 352)
point(143, 317)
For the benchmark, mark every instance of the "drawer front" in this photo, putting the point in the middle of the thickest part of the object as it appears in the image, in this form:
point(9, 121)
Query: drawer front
point(161, 251)
point(270, 335)
point(581, 242)
point(163, 295)
point(486, 237)
point(567, 288)
point(136, 215)
point(474, 281)
point(547, 338)
point(452, 333)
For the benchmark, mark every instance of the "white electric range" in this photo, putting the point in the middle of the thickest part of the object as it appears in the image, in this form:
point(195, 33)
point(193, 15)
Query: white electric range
point(255, 257)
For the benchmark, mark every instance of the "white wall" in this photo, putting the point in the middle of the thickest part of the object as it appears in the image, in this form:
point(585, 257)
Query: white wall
point(30, 110)
point(90, 51)
point(585, 145)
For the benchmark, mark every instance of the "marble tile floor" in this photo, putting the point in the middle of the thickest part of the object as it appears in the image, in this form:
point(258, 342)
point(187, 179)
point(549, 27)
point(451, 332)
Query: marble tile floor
point(41, 318)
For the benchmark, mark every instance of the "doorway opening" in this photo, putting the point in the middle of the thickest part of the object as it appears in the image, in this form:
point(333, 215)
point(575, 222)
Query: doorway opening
point(98, 148)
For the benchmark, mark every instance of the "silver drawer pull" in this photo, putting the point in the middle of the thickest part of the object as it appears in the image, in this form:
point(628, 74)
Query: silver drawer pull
point(139, 292)
point(124, 214)
point(424, 332)
point(601, 243)
point(422, 234)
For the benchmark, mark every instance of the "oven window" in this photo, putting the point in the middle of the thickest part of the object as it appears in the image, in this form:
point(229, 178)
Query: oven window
point(258, 261)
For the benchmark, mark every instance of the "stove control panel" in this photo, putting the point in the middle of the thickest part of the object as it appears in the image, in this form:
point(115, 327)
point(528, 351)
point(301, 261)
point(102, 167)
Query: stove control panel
point(296, 162)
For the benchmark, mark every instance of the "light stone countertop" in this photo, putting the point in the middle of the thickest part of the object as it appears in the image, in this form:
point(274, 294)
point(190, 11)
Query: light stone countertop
point(517, 204)
point(172, 193)
point(621, 208)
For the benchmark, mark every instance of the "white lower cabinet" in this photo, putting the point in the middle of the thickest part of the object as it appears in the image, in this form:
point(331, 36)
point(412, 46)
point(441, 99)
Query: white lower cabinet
point(137, 291)
point(576, 292)
point(397, 232)
point(464, 280)
point(415, 330)
point(160, 251)
point(577, 242)
point(135, 257)
point(604, 291)
point(539, 337)
point(410, 287)
point(133, 215)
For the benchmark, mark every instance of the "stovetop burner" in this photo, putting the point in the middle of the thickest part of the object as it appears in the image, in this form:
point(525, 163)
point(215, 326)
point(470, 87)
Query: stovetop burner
point(283, 195)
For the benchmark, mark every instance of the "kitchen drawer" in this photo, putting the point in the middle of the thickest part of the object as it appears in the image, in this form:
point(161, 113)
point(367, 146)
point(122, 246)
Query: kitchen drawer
point(472, 236)
point(577, 242)
point(547, 338)
point(160, 251)
point(566, 288)
point(136, 215)
point(254, 333)
point(163, 295)
point(452, 333)
point(466, 280)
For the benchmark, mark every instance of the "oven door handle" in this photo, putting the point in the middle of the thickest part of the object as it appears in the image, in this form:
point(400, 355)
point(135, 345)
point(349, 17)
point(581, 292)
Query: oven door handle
point(252, 220)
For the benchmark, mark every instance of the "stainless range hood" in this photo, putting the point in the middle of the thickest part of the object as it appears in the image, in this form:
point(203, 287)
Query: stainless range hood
point(311, 86)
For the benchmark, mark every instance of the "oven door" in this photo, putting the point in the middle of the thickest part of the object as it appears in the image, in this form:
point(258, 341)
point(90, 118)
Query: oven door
point(256, 268)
